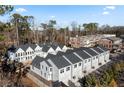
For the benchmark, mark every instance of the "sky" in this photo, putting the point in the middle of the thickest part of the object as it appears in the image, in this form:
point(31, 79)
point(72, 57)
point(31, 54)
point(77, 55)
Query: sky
point(64, 15)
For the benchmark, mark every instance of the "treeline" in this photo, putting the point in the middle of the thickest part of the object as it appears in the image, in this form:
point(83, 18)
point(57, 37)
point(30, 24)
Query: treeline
point(22, 29)
point(107, 77)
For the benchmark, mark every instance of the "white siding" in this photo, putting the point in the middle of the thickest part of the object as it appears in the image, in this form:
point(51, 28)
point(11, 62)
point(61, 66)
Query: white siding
point(66, 75)
point(55, 76)
point(45, 70)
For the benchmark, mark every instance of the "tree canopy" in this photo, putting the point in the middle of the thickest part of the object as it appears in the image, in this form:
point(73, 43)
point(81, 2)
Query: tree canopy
point(4, 9)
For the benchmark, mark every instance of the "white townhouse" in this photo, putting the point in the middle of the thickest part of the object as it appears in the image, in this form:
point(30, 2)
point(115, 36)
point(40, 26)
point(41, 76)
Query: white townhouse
point(101, 59)
point(23, 53)
point(94, 57)
point(61, 69)
point(70, 65)
point(38, 50)
point(76, 66)
point(106, 53)
point(42, 67)
point(28, 52)
point(86, 65)
point(47, 49)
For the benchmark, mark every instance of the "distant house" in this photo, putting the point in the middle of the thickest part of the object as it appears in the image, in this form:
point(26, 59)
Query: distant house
point(111, 43)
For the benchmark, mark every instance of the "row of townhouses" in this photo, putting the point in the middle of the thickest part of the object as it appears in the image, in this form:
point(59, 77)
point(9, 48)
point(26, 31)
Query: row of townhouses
point(70, 65)
point(28, 52)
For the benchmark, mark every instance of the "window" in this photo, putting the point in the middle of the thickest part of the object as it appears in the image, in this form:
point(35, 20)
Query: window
point(96, 57)
point(19, 59)
point(88, 60)
point(21, 54)
point(62, 71)
point(75, 65)
point(42, 66)
point(68, 68)
point(85, 61)
point(79, 64)
point(46, 68)
point(93, 58)
point(74, 77)
point(16, 55)
point(50, 69)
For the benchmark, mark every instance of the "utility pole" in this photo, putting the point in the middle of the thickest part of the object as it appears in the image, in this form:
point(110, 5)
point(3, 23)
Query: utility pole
point(17, 33)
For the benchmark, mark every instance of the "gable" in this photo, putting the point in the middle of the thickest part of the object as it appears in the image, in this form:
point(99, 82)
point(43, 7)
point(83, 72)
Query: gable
point(29, 49)
point(20, 50)
point(64, 47)
point(51, 50)
point(58, 49)
point(38, 48)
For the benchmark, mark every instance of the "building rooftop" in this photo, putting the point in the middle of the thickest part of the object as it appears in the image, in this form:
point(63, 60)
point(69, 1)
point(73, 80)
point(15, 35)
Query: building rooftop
point(72, 58)
point(91, 52)
point(97, 50)
point(36, 61)
point(60, 62)
point(45, 48)
point(113, 38)
point(82, 54)
point(103, 48)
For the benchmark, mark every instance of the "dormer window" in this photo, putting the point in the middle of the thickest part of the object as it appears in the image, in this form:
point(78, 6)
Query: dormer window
point(62, 71)
point(16, 55)
point(75, 66)
point(50, 69)
point(68, 68)
point(79, 64)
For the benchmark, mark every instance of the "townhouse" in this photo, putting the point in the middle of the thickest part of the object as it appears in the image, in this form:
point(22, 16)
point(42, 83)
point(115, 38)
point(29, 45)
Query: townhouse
point(70, 65)
point(28, 52)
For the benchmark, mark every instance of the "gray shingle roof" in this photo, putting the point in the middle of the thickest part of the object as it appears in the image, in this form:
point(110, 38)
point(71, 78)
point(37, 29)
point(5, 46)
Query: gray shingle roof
point(103, 48)
point(82, 54)
point(45, 48)
point(48, 63)
point(33, 46)
point(61, 46)
point(54, 47)
point(50, 56)
point(26, 46)
point(59, 53)
point(36, 61)
point(60, 62)
point(91, 52)
point(23, 47)
point(97, 50)
point(72, 58)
